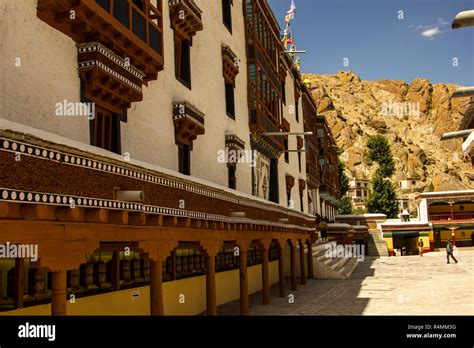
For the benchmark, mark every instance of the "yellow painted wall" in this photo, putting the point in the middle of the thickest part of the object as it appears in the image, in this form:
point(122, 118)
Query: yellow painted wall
point(389, 241)
point(446, 234)
point(445, 209)
point(193, 289)
point(426, 242)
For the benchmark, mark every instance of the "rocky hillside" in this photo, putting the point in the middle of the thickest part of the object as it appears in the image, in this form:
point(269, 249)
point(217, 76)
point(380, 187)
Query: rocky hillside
point(412, 116)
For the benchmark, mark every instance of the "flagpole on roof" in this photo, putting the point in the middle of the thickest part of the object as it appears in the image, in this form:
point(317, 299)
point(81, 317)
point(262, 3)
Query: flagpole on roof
point(288, 37)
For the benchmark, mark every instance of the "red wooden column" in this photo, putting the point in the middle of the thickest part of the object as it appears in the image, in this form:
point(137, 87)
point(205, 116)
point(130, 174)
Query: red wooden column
point(116, 270)
point(281, 267)
point(212, 248)
point(265, 245)
point(157, 252)
point(156, 287)
point(244, 282)
point(310, 260)
point(292, 244)
point(58, 298)
point(302, 263)
point(19, 282)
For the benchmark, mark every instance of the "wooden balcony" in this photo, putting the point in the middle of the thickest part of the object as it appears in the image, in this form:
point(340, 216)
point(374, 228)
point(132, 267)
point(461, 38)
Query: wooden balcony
point(109, 81)
point(285, 125)
point(230, 64)
point(188, 122)
point(313, 176)
point(131, 31)
point(451, 218)
point(185, 18)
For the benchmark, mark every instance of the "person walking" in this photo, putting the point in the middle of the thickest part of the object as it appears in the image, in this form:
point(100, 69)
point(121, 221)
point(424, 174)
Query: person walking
point(449, 251)
point(323, 229)
point(420, 245)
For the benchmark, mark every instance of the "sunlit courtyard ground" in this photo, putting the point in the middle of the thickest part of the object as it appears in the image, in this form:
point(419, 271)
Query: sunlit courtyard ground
point(409, 285)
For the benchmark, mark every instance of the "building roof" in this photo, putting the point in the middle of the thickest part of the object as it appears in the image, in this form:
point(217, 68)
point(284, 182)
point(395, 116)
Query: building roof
point(446, 194)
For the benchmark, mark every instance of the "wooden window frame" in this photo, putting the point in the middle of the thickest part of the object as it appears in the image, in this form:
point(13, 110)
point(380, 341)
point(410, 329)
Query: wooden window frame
point(232, 179)
point(105, 130)
point(183, 167)
point(178, 57)
point(230, 104)
point(227, 16)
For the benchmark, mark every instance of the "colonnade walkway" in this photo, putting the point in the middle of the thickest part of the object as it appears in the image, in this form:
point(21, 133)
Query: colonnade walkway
point(408, 285)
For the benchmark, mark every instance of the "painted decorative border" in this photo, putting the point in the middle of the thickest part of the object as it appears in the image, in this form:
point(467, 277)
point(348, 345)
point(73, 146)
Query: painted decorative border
point(21, 196)
point(23, 148)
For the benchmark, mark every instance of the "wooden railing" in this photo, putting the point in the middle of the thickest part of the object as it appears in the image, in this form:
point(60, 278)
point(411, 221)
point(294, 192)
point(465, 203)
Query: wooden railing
point(454, 217)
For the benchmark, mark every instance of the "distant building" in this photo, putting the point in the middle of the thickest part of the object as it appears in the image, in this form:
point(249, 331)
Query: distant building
point(408, 184)
point(449, 212)
point(359, 192)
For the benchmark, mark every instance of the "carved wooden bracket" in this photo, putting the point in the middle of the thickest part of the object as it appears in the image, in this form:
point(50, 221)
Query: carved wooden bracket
point(302, 184)
point(290, 182)
point(188, 122)
point(230, 64)
point(185, 17)
point(285, 125)
point(299, 142)
point(109, 80)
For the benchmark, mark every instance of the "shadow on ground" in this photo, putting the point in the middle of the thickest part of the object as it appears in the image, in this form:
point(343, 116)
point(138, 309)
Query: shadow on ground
point(317, 297)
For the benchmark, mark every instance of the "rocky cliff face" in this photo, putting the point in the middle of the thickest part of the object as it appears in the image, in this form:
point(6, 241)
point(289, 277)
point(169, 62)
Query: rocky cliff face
point(412, 117)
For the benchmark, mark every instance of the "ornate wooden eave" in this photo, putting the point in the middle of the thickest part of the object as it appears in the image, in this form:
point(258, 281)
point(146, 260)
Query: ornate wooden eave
point(88, 180)
point(299, 142)
point(185, 17)
point(188, 122)
point(232, 141)
point(89, 21)
point(230, 64)
point(108, 79)
point(270, 146)
point(290, 182)
point(302, 184)
point(285, 125)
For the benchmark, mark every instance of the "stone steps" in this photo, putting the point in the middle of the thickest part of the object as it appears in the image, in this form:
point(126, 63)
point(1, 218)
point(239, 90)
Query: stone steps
point(376, 244)
point(327, 265)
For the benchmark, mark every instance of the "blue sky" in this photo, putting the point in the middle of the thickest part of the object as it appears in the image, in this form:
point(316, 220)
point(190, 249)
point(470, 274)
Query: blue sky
point(378, 44)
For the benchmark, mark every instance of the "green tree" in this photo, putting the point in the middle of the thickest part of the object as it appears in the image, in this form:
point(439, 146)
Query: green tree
point(378, 150)
point(343, 179)
point(382, 198)
point(431, 187)
point(345, 206)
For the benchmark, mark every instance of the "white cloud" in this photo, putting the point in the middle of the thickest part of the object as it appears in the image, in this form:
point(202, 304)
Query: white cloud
point(441, 21)
point(418, 28)
point(429, 33)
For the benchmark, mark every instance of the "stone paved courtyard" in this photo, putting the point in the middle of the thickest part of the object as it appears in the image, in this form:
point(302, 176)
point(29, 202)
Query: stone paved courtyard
point(409, 285)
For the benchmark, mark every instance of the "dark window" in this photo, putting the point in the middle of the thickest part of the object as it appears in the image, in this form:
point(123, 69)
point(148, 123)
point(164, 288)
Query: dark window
point(287, 154)
point(184, 159)
point(121, 12)
point(283, 92)
point(231, 169)
point(104, 4)
point(182, 53)
point(139, 4)
point(301, 201)
point(139, 24)
point(288, 199)
point(227, 14)
point(297, 111)
point(106, 130)
point(274, 197)
point(299, 161)
point(229, 100)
